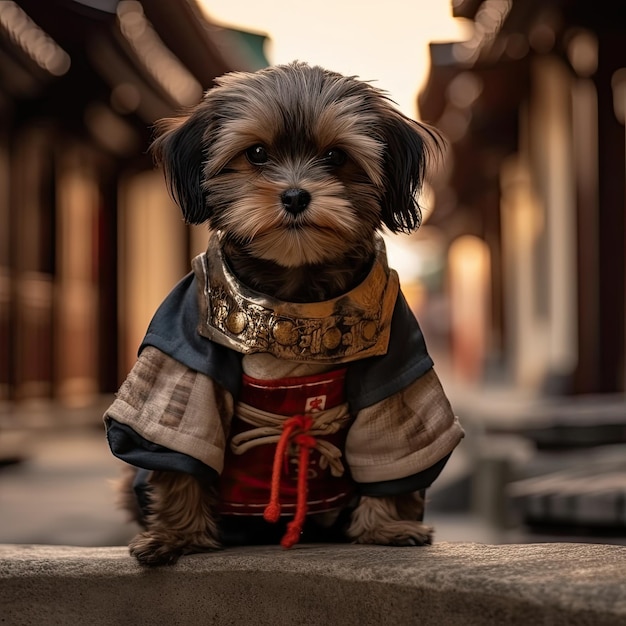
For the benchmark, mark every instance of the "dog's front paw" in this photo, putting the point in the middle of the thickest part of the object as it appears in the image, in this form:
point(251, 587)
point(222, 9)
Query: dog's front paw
point(390, 521)
point(397, 533)
point(151, 550)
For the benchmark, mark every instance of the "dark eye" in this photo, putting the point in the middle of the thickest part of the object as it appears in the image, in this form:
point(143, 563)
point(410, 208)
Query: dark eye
point(335, 157)
point(257, 155)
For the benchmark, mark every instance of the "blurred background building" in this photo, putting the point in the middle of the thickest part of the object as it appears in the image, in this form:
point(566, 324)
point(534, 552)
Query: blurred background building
point(89, 241)
point(529, 209)
point(517, 275)
point(532, 199)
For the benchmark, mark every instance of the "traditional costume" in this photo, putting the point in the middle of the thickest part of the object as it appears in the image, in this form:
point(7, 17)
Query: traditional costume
point(289, 408)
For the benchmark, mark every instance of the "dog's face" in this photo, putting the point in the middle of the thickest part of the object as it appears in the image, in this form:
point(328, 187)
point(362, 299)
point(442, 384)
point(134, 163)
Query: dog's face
point(295, 164)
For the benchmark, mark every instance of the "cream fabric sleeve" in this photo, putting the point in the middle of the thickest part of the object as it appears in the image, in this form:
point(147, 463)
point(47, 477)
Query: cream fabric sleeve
point(403, 434)
point(176, 407)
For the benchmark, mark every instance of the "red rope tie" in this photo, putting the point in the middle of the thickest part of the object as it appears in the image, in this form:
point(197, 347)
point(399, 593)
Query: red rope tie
point(305, 443)
point(294, 528)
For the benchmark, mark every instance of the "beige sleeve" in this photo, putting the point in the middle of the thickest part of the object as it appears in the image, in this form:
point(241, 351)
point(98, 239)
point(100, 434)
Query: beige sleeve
point(404, 434)
point(173, 406)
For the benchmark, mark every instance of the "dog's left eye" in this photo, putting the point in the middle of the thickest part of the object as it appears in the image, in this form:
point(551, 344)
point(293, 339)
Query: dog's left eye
point(335, 157)
point(257, 155)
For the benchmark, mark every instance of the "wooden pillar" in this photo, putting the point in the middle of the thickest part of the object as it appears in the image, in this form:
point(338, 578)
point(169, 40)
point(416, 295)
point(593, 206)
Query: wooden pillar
point(611, 225)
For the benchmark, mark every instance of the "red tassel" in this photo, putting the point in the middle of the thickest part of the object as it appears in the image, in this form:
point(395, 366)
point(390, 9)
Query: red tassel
point(305, 443)
point(272, 510)
point(294, 528)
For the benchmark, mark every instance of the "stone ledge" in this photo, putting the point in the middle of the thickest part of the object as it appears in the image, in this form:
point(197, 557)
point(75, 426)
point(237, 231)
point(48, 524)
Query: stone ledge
point(445, 584)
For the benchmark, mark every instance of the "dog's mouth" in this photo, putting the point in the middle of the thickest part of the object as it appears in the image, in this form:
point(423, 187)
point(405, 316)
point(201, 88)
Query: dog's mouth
point(296, 223)
point(305, 223)
point(302, 226)
point(297, 241)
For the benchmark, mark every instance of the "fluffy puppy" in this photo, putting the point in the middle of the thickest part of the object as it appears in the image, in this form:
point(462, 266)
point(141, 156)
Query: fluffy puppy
point(297, 169)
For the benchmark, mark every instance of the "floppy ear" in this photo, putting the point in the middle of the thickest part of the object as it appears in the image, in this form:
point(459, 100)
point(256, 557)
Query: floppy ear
point(178, 148)
point(409, 145)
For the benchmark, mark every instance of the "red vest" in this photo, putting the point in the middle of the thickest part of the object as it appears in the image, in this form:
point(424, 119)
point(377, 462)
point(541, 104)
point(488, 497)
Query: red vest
point(246, 478)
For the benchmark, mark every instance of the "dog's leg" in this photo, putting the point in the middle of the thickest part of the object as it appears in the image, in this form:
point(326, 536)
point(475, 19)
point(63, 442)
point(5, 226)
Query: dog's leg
point(181, 520)
point(126, 498)
point(391, 521)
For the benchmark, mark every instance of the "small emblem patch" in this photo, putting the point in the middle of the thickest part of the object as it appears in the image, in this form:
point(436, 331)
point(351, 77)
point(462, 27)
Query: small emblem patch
point(316, 403)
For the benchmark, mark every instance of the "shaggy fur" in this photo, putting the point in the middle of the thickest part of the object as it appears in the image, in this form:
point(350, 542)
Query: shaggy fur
point(293, 128)
point(181, 520)
point(298, 167)
point(394, 521)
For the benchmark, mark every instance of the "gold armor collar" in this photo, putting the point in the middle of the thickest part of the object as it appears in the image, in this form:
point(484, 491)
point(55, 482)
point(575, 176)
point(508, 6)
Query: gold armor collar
point(352, 326)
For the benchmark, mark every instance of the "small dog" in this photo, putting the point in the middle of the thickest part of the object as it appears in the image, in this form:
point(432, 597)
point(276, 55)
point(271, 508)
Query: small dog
point(284, 388)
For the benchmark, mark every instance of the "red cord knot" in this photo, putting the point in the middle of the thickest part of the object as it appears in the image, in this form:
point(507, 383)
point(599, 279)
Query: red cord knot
point(294, 429)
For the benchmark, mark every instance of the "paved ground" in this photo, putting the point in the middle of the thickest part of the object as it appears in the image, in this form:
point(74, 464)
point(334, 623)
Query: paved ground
point(61, 493)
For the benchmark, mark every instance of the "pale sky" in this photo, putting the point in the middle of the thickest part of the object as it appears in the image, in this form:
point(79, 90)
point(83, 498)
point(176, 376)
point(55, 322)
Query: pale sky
point(383, 41)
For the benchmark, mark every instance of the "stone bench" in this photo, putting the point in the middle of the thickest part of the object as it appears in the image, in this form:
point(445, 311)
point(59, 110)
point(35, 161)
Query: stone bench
point(444, 584)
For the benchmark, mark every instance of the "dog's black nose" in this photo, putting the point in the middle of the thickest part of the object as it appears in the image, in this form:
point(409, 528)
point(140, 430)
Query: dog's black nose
point(295, 200)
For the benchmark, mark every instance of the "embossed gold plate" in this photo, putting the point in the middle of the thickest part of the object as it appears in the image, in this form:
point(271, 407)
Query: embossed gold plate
point(352, 326)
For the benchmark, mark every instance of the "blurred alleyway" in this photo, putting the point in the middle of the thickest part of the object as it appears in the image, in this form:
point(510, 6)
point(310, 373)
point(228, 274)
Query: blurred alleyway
point(60, 492)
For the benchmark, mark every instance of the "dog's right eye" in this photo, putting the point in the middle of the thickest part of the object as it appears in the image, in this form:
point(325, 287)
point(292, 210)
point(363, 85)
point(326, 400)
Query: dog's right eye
point(257, 155)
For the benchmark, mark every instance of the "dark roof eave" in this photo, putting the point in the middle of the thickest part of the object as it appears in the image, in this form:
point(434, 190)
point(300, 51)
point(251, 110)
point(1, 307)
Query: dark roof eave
point(504, 80)
point(189, 36)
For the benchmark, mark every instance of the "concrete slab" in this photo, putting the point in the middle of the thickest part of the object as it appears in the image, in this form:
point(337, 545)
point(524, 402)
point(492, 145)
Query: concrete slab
point(445, 584)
